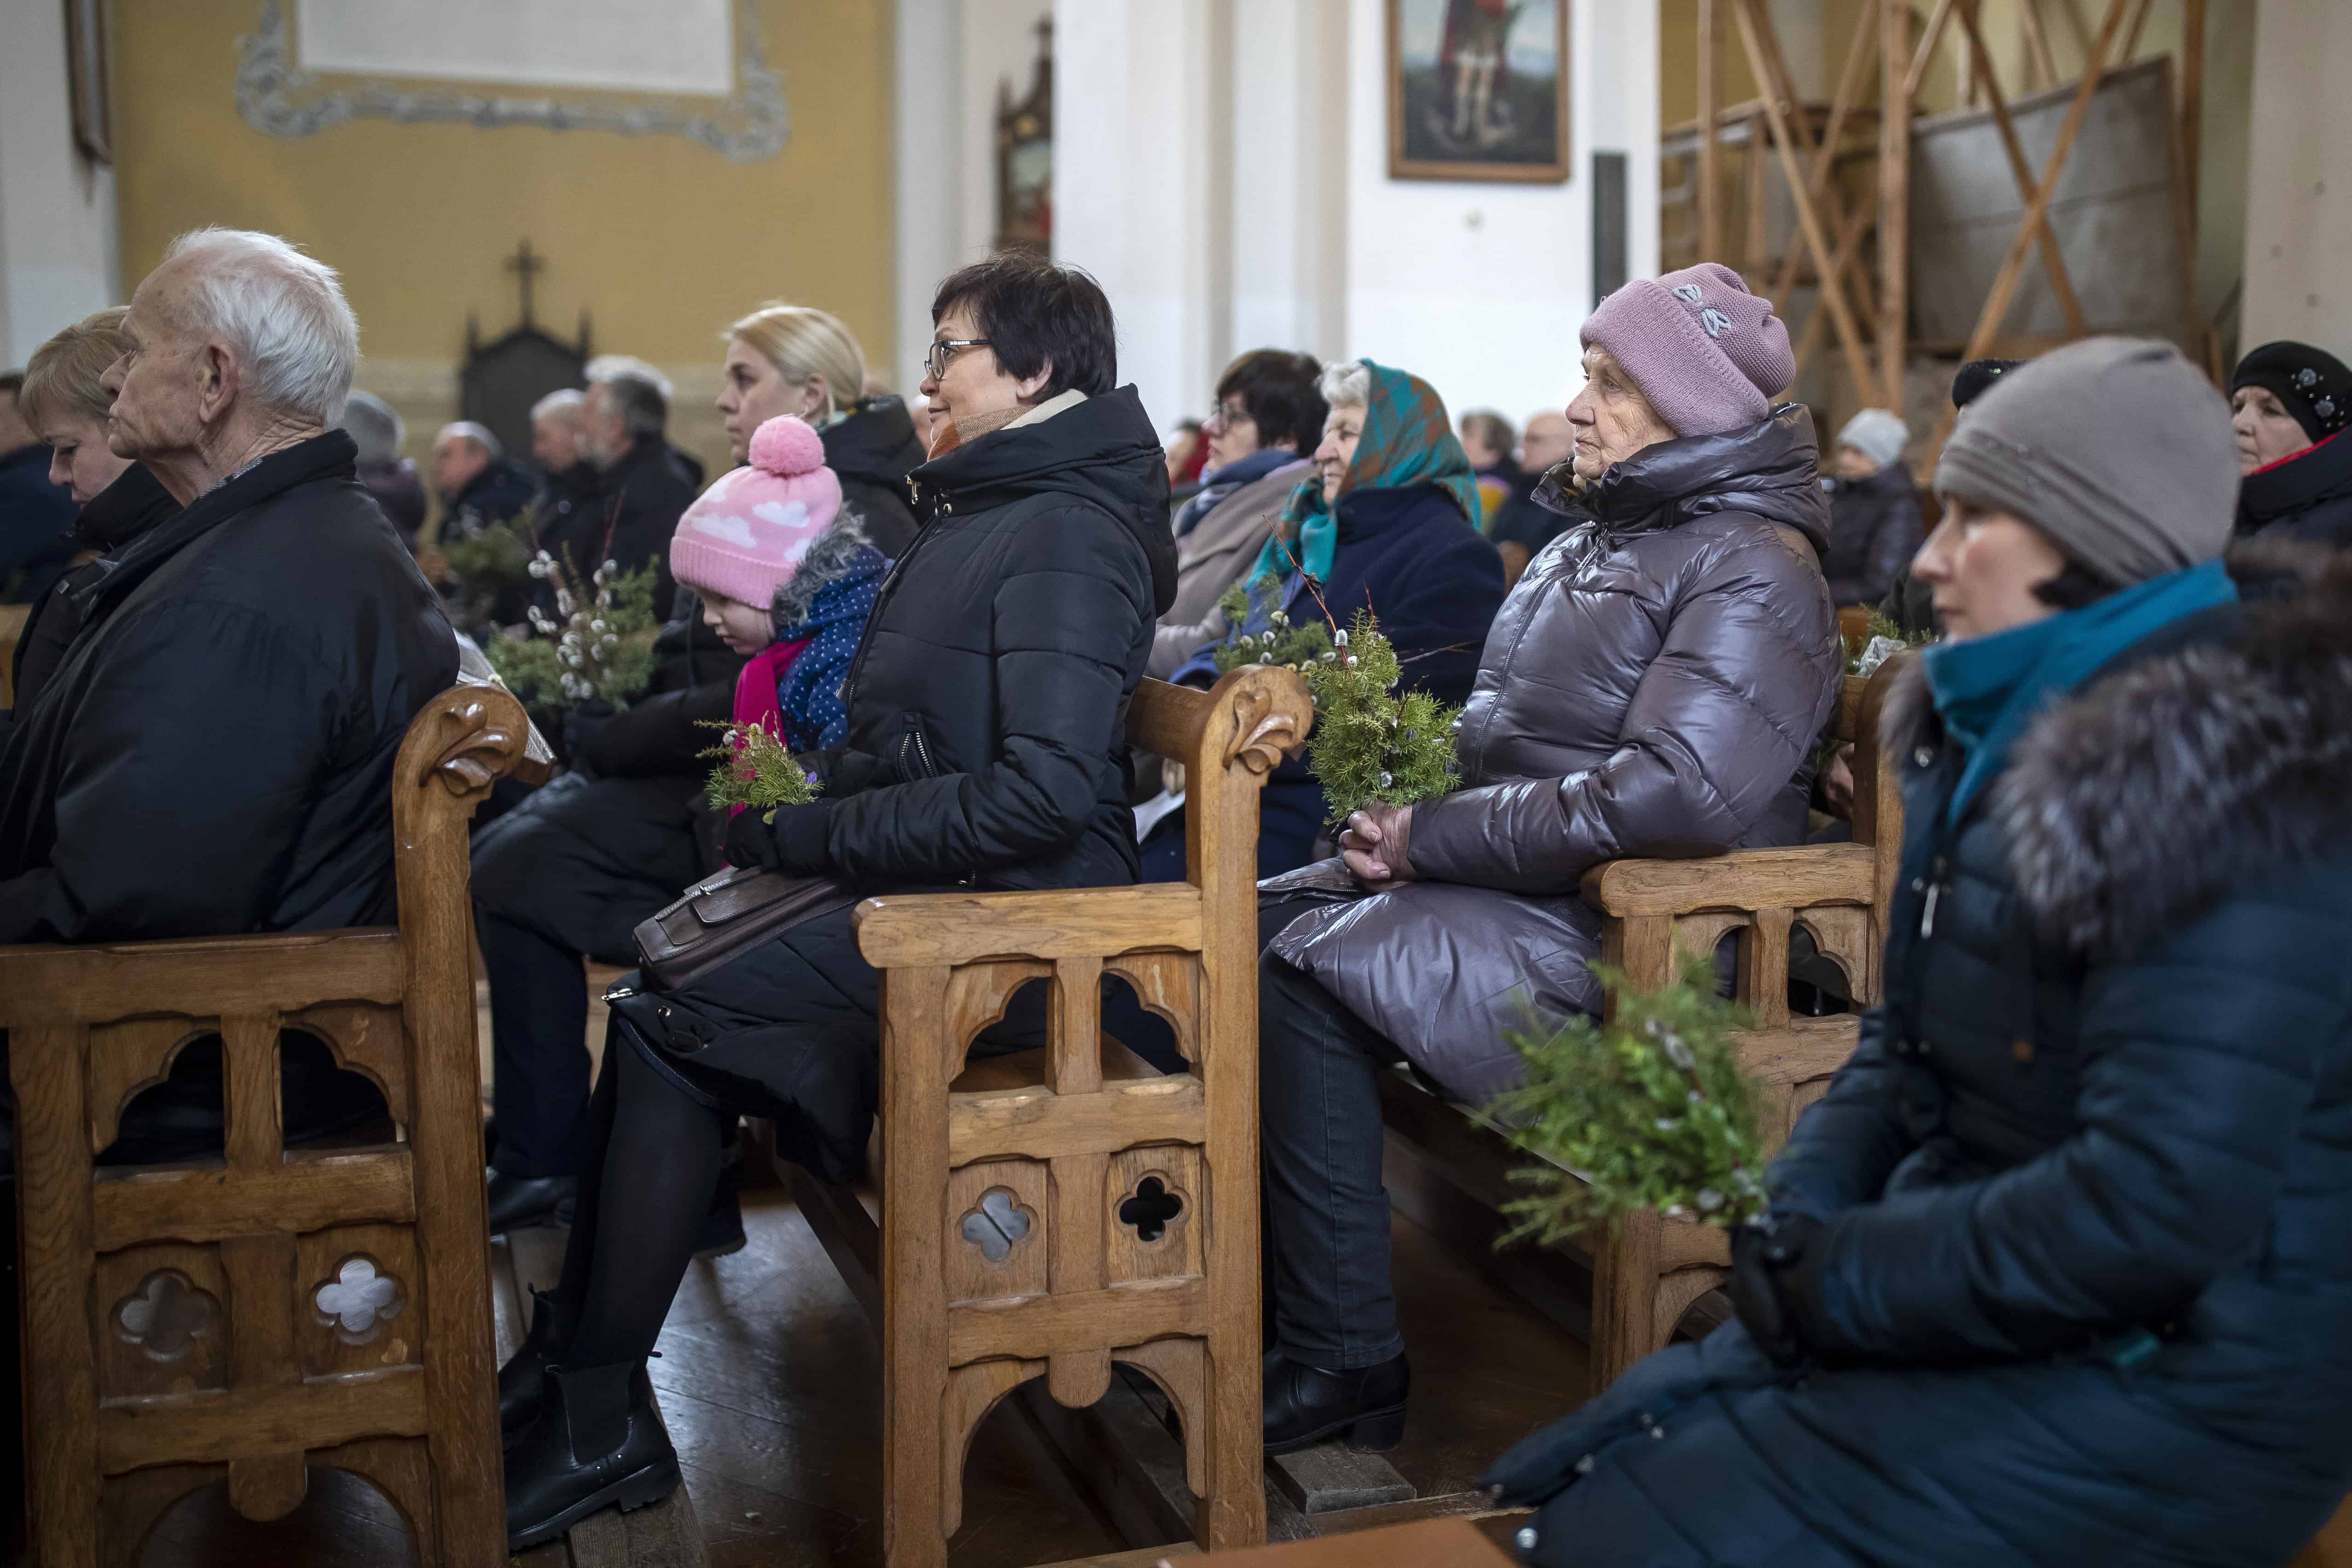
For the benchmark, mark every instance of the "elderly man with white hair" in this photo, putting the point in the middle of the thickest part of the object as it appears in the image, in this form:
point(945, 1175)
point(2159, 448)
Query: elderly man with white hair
point(478, 484)
point(214, 753)
point(559, 431)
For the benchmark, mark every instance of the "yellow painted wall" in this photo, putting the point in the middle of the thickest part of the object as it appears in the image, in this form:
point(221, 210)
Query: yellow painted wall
point(660, 238)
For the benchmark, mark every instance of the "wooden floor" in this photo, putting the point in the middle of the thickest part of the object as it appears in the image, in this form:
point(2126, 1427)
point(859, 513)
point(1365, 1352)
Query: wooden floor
point(771, 1381)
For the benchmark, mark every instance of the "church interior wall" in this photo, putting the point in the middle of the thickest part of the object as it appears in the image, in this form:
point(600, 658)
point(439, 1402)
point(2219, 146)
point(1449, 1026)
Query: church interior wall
point(2299, 204)
point(660, 240)
point(58, 257)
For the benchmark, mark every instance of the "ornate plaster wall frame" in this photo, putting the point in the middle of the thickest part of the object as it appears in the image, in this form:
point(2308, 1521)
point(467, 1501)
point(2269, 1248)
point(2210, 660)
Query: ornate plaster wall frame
point(275, 95)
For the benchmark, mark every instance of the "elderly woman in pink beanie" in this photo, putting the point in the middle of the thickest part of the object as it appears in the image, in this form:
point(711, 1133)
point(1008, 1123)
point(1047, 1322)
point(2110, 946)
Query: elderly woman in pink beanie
point(1652, 686)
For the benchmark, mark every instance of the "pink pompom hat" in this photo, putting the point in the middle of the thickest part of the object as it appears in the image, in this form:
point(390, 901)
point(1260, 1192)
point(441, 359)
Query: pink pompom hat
point(1709, 354)
point(744, 537)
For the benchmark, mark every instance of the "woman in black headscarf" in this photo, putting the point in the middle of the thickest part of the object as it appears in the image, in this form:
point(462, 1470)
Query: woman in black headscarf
point(2288, 402)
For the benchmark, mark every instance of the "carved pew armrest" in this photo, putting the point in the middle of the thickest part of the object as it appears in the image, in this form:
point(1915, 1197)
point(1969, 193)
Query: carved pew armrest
point(944, 929)
point(1791, 878)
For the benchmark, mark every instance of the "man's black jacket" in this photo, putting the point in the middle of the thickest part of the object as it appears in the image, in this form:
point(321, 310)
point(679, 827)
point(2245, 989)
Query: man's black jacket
point(635, 510)
point(213, 755)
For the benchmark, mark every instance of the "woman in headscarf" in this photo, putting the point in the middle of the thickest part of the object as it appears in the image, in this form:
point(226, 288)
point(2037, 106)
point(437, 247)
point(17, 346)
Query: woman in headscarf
point(1652, 686)
point(1387, 522)
point(2059, 1270)
point(2288, 402)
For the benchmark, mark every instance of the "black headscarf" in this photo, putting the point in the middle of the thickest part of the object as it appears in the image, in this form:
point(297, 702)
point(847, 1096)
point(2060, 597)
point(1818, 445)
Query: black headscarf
point(2313, 383)
point(1976, 378)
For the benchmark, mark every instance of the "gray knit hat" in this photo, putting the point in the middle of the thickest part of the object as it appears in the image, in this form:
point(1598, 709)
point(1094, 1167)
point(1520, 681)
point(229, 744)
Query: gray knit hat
point(2118, 449)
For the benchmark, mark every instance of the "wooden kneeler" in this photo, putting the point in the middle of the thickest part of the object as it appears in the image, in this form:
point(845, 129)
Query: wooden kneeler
point(1047, 1213)
point(250, 1316)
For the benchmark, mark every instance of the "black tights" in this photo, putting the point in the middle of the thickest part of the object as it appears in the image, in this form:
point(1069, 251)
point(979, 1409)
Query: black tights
point(653, 1162)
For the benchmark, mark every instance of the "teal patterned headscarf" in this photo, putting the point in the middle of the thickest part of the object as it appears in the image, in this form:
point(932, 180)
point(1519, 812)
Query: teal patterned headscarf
point(1407, 440)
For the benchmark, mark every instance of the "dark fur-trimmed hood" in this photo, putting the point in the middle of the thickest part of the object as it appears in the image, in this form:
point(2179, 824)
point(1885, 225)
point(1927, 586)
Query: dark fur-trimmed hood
point(2134, 805)
point(833, 554)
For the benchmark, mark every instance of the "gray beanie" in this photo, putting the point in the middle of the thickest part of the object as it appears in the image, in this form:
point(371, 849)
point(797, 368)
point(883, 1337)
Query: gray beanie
point(1878, 434)
point(2118, 449)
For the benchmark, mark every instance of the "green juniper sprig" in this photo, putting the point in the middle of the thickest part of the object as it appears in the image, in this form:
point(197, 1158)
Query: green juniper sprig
point(1370, 744)
point(755, 770)
point(1651, 1109)
point(1282, 645)
point(602, 650)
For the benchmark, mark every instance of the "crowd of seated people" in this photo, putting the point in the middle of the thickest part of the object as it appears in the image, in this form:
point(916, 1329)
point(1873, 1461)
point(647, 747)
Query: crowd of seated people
point(2060, 1258)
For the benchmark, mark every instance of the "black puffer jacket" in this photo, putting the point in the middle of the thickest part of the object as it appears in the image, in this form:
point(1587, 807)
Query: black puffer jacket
point(635, 510)
point(986, 703)
point(1652, 686)
point(1875, 532)
point(2307, 497)
point(872, 452)
point(2084, 1292)
point(213, 755)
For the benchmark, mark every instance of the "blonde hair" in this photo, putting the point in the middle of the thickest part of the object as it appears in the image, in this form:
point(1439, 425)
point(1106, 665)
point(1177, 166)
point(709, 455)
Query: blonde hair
point(62, 376)
point(801, 341)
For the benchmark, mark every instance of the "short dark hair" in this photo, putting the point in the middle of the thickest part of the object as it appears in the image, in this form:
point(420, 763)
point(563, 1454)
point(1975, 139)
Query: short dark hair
point(1492, 429)
point(1035, 314)
point(12, 381)
point(639, 403)
point(2074, 587)
point(1279, 390)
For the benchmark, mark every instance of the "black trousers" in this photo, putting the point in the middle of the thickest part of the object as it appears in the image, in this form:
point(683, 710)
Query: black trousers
point(539, 1047)
point(1327, 1212)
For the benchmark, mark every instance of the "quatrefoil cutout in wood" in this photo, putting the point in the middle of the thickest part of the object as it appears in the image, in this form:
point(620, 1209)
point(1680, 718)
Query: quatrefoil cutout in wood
point(1150, 1209)
point(357, 1300)
point(996, 1224)
point(165, 1316)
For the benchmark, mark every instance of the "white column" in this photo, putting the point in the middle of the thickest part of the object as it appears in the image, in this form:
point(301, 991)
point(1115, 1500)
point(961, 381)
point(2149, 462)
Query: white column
point(1287, 187)
point(1139, 133)
point(2298, 179)
point(928, 161)
point(57, 252)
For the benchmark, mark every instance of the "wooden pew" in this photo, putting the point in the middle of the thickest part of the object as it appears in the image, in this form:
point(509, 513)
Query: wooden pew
point(248, 1316)
point(12, 629)
point(1447, 1160)
point(1047, 1214)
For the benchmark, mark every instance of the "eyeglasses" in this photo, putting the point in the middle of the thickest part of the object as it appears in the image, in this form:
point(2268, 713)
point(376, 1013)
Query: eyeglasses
point(1224, 417)
point(936, 362)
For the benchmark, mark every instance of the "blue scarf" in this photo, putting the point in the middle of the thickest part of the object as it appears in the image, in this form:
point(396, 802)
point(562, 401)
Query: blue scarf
point(810, 692)
point(1989, 689)
point(1217, 484)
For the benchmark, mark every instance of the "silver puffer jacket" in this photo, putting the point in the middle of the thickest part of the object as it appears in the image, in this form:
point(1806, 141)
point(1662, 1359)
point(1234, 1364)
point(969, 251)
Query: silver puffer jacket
point(1652, 686)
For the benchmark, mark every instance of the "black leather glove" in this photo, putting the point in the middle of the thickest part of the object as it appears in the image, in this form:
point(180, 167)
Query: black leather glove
point(582, 727)
point(750, 841)
point(1773, 1267)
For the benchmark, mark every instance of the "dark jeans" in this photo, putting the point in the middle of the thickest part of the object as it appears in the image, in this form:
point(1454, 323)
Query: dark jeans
point(1327, 1211)
point(539, 1051)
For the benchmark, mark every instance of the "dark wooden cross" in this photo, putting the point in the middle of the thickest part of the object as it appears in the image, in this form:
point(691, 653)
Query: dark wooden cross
point(526, 263)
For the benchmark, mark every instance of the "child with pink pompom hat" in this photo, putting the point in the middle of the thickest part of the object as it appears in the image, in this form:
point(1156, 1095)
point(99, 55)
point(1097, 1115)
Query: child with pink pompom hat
point(786, 576)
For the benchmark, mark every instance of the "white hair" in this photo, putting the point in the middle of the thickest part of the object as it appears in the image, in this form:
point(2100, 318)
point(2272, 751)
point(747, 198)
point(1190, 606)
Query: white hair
point(564, 400)
point(618, 367)
point(283, 313)
point(1346, 383)
point(638, 392)
point(479, 435)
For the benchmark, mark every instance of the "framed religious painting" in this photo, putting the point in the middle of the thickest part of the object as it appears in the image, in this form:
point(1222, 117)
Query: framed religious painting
point(1478, 89)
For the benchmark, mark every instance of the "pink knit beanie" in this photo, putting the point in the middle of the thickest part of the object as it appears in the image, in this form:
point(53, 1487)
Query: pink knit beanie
point(1707, 355)
point(744, 537)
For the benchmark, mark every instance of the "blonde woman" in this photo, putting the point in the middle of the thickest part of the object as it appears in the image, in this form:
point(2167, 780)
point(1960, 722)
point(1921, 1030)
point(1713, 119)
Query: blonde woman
point(797, 360)
point(65, 407)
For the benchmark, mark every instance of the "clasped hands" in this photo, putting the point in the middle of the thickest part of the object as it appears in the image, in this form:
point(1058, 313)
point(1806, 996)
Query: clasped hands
point(1374, 843)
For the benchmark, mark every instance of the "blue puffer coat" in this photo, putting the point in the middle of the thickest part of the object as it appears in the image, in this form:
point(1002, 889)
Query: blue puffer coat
point(2084, 1293)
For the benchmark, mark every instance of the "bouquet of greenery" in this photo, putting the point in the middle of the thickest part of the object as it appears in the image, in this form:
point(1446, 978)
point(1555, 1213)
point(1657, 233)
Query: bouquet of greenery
point(1370, 744)
point(755, 769)
point(1651, 1109)
point(494, 556)
point(1882, 641)
point(602, 650)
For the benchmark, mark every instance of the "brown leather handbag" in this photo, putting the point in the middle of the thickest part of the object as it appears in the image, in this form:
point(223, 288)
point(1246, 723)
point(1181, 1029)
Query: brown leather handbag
point(720, 916)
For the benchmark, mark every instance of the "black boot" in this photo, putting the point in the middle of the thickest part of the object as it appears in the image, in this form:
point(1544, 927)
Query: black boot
point(522, 1386)
point(1305, 1404)
point(597, 1444)
point(520, 1202)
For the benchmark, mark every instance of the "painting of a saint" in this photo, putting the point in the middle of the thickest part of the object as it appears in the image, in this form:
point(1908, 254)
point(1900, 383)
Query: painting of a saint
point(1478, 89)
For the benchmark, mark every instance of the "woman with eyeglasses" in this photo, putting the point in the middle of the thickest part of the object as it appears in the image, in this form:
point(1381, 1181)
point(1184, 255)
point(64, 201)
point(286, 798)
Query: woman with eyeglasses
point(984, 749)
